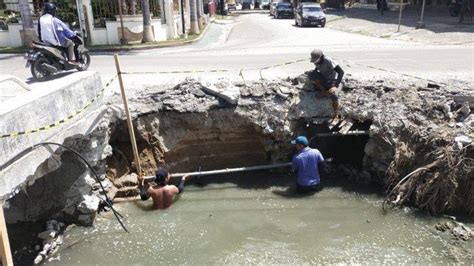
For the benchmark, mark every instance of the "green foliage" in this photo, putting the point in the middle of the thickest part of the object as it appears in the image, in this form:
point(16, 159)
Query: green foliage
point(67, 11)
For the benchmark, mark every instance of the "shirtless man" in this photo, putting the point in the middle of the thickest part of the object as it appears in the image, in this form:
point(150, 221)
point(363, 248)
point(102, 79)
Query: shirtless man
point(162, 193)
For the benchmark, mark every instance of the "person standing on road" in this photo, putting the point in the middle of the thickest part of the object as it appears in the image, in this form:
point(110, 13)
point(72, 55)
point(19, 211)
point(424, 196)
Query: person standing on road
point(162, 193)
point(53, 31)
point(327, 77)
point(306, 163)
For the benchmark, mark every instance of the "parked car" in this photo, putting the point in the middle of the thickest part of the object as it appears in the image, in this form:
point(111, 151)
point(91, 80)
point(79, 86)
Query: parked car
point(247, 4)
point(309, 14)
point(265, 4)
point(231, 5)
point(283, 10)
point(273, 8)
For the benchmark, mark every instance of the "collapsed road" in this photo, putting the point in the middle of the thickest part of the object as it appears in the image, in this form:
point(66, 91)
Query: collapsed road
point(391, 127)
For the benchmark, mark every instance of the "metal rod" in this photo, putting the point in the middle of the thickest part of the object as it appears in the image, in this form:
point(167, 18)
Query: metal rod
point(420, 23)
point(400, 16)
point(349, 133)
point(129, 118)
point(227, 170)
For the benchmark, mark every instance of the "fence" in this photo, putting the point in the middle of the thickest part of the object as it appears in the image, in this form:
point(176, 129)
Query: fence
point(106, 10)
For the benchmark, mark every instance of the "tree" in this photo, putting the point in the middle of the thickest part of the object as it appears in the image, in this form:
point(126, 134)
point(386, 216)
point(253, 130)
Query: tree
point(194, 22)
point(28, 33)
point(147, 32)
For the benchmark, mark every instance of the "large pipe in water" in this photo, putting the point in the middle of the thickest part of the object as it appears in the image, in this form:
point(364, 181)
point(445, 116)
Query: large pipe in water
point(226, 171)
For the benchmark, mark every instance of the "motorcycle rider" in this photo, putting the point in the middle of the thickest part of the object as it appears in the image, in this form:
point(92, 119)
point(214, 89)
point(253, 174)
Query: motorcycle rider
point(53, 31)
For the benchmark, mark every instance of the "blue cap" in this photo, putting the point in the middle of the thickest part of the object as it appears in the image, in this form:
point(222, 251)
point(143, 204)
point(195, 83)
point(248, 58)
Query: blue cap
point(300, 140)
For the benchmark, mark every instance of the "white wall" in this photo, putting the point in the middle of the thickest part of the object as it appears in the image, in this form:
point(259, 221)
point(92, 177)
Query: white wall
point(12, 36)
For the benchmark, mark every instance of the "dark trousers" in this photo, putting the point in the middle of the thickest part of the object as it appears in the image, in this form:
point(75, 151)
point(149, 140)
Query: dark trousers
point(307, 189)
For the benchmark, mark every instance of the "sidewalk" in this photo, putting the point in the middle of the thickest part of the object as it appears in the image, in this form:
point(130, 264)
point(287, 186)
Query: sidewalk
point(128, 47)
point(440, 28)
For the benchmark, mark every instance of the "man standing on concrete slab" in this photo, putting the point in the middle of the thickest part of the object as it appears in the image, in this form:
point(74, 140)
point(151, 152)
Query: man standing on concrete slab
point(327, 77)
point(162, 193)
point(306, 164)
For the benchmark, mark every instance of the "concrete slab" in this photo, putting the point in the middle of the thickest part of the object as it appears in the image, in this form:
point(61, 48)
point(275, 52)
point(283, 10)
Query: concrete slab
point(45, 108)
point(11, 86)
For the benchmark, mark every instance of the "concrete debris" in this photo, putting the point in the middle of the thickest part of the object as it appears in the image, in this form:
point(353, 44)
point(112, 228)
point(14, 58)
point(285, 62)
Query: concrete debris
point(49, 234)
point(52, 240)
point(90, 204)
point(458, 230)
point(86, 219)
point(226, 91)
point(126, 181)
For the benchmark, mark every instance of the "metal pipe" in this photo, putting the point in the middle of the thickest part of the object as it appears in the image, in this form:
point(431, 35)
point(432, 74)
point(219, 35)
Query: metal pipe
point(420, 23)
point(227, 170)
point(349, 133)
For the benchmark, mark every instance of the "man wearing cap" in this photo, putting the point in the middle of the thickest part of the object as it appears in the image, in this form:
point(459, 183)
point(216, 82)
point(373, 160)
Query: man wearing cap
point(162, 193)
point(327, 77)
point(306, 163)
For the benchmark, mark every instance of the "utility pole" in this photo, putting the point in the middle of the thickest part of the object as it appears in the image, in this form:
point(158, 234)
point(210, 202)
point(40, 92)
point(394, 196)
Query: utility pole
point(420, 24)
point(222, 7)
point(182, 18)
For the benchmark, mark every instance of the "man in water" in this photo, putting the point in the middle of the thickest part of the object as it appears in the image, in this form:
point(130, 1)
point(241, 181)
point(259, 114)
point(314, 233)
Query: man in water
point(327, 77)
point(162, 193)
point(306, 163)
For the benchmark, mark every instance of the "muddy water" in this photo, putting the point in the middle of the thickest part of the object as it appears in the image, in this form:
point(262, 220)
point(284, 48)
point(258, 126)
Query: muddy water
point(229, 224)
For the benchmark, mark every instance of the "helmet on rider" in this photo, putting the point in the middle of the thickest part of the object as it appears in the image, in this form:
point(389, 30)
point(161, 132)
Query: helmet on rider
point(50, 8)
point(316, 54)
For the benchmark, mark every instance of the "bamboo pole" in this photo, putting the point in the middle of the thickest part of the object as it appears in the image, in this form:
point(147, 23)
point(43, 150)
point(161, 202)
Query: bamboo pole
point(5, 251)
point(129, 118)
point(227, 170)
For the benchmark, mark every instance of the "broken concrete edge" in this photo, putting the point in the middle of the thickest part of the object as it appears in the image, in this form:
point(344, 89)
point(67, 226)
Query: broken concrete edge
point(117, 48)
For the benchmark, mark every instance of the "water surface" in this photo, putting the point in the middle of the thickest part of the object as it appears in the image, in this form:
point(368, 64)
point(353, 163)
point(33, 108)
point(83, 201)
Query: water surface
point(228, 224)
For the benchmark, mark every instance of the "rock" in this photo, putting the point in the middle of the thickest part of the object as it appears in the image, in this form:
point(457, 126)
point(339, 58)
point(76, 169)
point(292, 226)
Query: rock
point(284, 90)
point(48, 234)
point(465, 140)
point(86, 219)
point(126, 180)
point(198, 93)
point(90, 204)
point(106, 184)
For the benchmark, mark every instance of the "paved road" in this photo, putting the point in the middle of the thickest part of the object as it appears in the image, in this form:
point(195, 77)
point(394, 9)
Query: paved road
point(257, 40)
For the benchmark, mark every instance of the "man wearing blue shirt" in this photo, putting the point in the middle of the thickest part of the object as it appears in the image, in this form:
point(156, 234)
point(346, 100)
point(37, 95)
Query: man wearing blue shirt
point(306, 163)
point(53, 31)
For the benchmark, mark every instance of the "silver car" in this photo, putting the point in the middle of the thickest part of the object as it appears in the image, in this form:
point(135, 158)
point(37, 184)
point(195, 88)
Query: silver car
point(273, 8)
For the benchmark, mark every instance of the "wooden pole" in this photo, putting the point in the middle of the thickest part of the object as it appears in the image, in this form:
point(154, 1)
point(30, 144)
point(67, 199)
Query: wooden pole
point(5, 251)
point(129, 118)
point(227, 170)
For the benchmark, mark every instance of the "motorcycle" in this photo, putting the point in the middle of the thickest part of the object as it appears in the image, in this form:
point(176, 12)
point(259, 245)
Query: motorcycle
point(46, 60)
point(455, 8)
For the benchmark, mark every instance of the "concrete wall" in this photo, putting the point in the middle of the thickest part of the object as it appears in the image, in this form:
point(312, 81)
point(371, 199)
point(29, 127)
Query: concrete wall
point(12, 37)
point(134, 24)
point(39, 108)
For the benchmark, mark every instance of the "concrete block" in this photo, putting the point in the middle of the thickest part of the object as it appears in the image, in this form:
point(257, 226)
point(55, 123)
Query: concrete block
point(225, 91)
point(55, 100)
point(89, 204)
